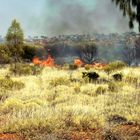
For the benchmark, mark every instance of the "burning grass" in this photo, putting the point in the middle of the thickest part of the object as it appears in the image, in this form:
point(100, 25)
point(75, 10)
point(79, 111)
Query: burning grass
point(52, 107)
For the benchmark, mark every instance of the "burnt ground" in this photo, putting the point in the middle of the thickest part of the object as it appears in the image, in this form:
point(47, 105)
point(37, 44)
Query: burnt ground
point(118, 132)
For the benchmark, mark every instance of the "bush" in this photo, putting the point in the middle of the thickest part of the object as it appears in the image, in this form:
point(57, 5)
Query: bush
point(73, 67)
point(100, 90)
point(132, 79)
point(25, 69)
point(28, 52)
point(59, 81)
point(87, 67)
point(4, 55)
point(118, 77)
point(114, 66)
point(112, 87)
point(9, 84)
point(77, 88)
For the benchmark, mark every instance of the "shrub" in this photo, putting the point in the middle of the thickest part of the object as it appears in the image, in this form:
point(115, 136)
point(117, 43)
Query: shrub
point(3, 95)
point(87, 67)
point(117, 65)
point(28, 52)
point(36, 70)
point(25, 69)
point(100, 90)
point(109, 135)
point(117, 119)
point(92, 76)
point(12, 104)
point(4, 55)
point(77, 89)
point(118, 77)
point(114, 66)
point(9, 84)
point(73, 67)
point(132, 79)
point(59, 81)
point(112, 87)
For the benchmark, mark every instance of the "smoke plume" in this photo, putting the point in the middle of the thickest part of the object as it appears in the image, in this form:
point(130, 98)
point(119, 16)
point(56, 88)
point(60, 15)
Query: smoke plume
point(75, 17)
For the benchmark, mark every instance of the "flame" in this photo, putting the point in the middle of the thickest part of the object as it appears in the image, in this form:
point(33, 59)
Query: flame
point(78, 62)
point(49, 62)
point(36, 61)
point(99, 65)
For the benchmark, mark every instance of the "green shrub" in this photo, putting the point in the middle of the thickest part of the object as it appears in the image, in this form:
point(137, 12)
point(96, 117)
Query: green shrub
point(101, 90)
point(25, 69)
point(9, 84)
point(73, 67)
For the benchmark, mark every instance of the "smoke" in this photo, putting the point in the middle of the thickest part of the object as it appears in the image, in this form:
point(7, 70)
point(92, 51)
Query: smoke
point(79, 17)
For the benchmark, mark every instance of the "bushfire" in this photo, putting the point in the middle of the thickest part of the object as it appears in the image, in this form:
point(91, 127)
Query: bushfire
point(48, 62)
point(78, 62)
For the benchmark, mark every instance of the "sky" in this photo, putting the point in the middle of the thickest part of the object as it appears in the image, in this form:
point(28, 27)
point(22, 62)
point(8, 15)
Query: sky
point(54, 17)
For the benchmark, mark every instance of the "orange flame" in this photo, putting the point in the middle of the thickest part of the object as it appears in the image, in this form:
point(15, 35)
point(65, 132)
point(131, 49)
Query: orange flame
point(49, 62)
point(78, 62)
point(99, 65)
point(36, 61)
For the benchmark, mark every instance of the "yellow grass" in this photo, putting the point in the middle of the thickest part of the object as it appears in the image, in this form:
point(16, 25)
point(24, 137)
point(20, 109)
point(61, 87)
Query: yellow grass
point(41, 104)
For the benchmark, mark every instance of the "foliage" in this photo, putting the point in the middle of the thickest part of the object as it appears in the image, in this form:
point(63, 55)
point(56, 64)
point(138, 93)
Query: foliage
point(87, 67)
point(113, 87)
point(87, 52)
point(130, 8)
point(118, 76)
point(73, 67)
point(14, 40)
point(42, 108)
point(118, 65)
point(100, 90)
point(25, 69)
point(59, 81)
point(29, 52)
point(9, 84)
point(4, 54)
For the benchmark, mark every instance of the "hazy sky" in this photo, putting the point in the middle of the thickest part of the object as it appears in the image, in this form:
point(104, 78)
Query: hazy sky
point(53, 17)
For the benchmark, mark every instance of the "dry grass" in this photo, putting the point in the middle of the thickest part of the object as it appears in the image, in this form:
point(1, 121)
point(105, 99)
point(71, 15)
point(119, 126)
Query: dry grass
point(51, 102)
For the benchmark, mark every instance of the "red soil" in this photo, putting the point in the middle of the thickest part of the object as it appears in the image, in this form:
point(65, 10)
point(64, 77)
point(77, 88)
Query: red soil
point(10, 137)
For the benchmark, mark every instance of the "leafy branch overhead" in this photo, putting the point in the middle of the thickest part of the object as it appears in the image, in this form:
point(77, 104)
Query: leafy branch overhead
point(130, 8)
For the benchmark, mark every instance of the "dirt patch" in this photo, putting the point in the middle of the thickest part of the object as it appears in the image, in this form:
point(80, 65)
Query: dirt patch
point(120, 132)
point(128, 130)
point(10, 137)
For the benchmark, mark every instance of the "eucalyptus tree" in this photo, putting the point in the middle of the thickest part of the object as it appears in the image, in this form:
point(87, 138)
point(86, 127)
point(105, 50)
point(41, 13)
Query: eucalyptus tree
point(130, 8)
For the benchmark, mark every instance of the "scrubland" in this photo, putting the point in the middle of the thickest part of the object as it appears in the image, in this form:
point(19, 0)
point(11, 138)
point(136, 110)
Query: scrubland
point(59, 105)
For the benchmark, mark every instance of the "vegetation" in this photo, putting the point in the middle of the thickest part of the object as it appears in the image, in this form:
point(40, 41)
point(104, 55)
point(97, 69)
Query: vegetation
point(118, 65)
point(130, 8)
point(14, 40)
point(50, 106)
point(87, 52)
point(25, 69)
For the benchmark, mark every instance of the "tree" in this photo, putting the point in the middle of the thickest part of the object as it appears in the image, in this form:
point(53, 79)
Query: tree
point(129, 51)
point(130, 8)
point(87, 52)
point(137, 47)
point(15, 40)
